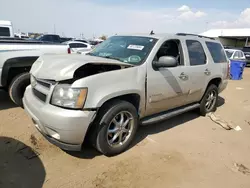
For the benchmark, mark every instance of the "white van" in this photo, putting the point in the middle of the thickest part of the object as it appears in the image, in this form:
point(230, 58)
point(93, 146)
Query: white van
point(6, 29)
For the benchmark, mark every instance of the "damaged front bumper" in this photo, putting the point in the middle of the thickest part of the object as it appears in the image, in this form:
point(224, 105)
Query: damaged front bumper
point(63, 128)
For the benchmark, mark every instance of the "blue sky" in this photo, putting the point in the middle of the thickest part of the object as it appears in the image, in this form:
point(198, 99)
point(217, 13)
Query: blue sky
point(211, 4)
point(108, 17)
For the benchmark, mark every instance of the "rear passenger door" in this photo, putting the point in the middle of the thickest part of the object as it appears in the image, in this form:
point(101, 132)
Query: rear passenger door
point(199, 68)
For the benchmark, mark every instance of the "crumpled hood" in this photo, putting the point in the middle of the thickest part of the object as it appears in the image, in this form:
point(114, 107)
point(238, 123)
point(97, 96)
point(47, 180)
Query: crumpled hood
point(62, 67)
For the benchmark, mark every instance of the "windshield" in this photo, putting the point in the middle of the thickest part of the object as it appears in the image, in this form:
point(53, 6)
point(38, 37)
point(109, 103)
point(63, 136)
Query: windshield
point(128, 49)
point(229, 53)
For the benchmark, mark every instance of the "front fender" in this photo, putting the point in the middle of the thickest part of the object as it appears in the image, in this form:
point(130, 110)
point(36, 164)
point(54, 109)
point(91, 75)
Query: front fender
point(105, 86)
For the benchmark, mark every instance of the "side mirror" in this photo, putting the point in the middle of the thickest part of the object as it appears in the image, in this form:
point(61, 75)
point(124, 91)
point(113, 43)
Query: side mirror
point(165, 61)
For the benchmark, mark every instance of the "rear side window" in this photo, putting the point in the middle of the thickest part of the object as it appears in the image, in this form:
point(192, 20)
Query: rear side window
point(4, 32)
point(82, 45)
point(229, 54)
point(46, 38)
point(236, 55)
point(73, 45)
point(196, 53)
point(242, 55)
point(217, 52)
point(54, 38)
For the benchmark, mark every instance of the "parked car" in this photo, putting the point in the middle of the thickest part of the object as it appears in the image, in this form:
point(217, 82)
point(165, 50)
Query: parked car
point(48, 38)
point(235, 54)
point(76, 46)
point(16, 59)
point(246, 51)
point(104, 95)
point(65, 39)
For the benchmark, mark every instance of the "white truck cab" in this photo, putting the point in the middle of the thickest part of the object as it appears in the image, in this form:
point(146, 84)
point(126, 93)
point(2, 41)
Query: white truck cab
point(6, 29)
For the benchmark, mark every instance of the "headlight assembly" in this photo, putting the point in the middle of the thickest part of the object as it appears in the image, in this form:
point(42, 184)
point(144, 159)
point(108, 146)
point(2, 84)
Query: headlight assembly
point(65, 96)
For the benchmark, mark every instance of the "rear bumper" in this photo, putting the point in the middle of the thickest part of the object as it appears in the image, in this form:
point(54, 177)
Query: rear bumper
point(63, 128)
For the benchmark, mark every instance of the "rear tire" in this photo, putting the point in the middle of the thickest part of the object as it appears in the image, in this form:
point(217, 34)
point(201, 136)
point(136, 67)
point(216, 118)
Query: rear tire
point(17, 88)
point(108, 126)
point(209, 100)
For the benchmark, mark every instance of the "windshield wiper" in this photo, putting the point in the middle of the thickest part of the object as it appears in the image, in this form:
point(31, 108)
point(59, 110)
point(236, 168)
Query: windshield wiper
point(115, 58)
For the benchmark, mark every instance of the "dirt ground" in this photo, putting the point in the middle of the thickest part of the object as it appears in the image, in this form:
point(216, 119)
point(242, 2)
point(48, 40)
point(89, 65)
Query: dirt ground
point(187, 151)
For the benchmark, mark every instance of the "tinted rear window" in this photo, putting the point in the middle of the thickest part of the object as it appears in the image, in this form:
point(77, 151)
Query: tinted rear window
point(217, 52)
point(196, 53)
point(4, 31)
point(246, 49)
point(82, 45)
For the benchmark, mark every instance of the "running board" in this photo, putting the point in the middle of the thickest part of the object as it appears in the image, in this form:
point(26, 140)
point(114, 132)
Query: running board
point(168, 114)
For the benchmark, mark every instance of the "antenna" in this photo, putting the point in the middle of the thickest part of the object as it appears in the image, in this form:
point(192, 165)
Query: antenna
point(152, 32)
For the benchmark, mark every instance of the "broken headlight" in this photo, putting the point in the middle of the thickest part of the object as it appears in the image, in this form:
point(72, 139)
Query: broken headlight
point(65, 96)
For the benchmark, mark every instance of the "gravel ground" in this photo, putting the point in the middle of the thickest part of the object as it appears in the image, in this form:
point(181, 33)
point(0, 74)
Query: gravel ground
point(187, 151)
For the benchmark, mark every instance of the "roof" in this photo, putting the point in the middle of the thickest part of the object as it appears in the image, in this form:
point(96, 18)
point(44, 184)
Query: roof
point(171, 35)
point(227, 33)
point(5, 22)
point(233, 50)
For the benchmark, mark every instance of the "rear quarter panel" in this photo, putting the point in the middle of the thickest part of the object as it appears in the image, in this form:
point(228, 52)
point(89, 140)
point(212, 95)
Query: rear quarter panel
point(218, 70)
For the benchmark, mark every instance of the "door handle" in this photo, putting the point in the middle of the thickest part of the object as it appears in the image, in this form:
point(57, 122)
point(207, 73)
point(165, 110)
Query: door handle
point(183, 76)
point(207, 72)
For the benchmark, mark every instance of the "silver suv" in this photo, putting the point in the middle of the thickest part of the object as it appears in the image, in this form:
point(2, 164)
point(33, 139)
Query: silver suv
point(124, 82)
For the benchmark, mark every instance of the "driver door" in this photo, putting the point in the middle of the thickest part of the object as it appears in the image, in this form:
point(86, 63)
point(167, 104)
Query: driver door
point(167, 88)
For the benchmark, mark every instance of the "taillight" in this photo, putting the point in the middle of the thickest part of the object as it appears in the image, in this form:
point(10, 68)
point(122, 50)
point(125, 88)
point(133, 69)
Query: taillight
point(69, 51)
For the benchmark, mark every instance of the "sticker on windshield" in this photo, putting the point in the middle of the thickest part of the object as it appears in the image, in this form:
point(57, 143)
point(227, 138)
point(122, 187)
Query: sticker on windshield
point(135, 47)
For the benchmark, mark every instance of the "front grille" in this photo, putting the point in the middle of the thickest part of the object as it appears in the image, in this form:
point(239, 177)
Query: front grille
point(39, 95)
point(41, 88)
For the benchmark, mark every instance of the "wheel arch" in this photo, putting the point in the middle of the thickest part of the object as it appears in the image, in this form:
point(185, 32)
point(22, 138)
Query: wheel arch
point(216, 81)
point(14, 66)
point(133, 98)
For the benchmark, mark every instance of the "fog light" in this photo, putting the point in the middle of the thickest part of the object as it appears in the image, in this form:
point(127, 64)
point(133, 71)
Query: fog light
point(53, 133)
point(56, 136)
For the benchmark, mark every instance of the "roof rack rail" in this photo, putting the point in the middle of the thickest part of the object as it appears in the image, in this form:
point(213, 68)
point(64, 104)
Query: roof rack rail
point(185, 34)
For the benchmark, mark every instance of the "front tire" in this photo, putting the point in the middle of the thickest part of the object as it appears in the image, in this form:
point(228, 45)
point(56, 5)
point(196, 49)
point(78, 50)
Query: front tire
point(209, 100)
point(115, 127)
point(17, 88)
